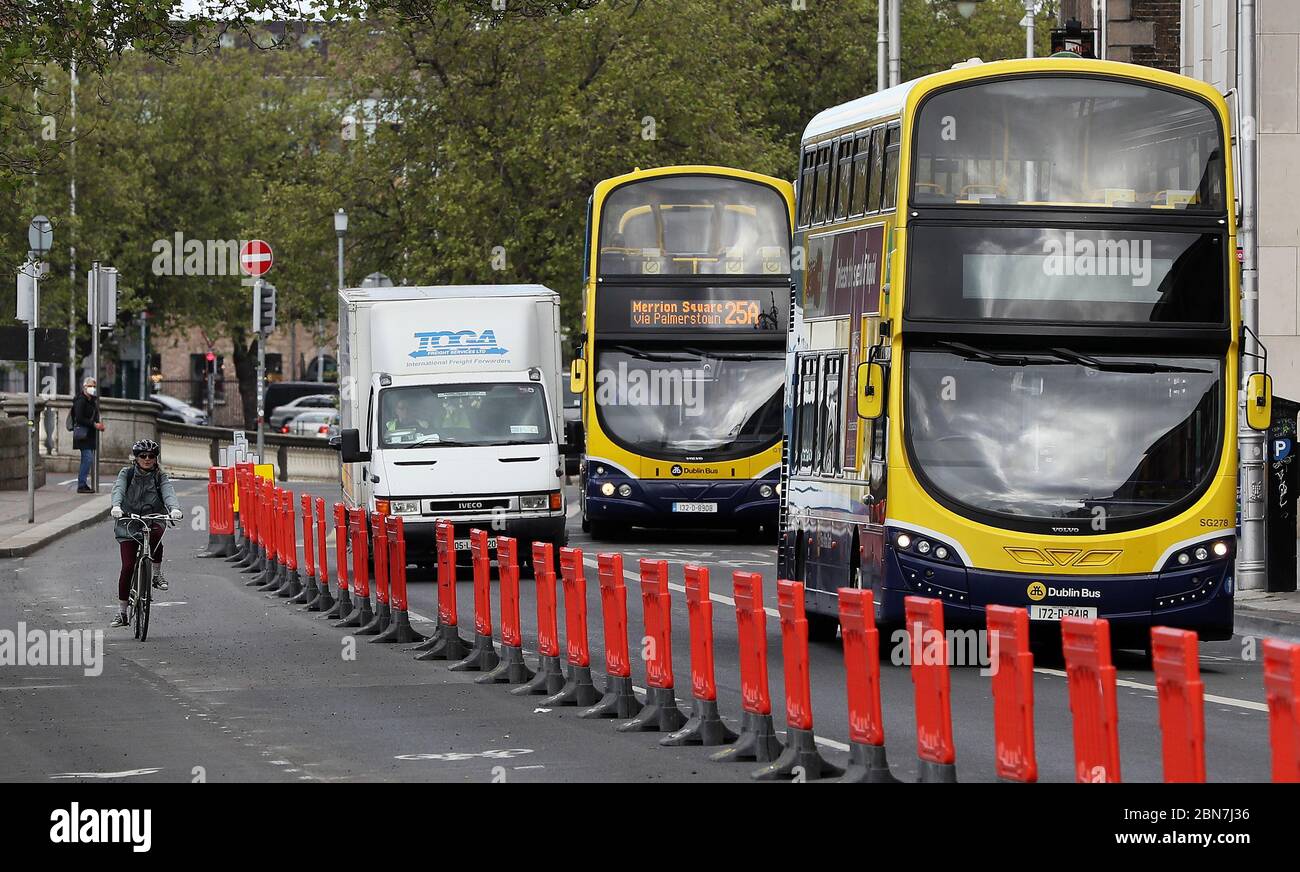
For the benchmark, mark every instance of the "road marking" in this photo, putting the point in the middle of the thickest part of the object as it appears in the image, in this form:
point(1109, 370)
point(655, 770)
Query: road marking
point(36, 687)
point(126, 773)
point(1137, 685)
point(716, 597)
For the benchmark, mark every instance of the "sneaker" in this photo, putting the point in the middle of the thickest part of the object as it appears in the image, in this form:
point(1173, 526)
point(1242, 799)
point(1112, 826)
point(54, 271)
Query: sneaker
point(159, 582)
point(120, 621)
point(85, 490)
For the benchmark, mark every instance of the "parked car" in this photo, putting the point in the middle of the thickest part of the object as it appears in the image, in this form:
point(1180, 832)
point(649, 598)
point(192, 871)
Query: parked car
point(178, 410)
point(282, 415)
point(321, 423)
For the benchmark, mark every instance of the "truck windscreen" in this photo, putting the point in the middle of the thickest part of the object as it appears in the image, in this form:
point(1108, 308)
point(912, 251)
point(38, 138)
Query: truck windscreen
point(456, 415)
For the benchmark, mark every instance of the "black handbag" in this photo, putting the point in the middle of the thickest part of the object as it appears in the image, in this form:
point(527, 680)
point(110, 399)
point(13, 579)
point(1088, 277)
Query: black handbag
point(68, 423)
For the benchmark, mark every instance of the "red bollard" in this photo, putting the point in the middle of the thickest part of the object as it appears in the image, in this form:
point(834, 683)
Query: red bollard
point(309, 590)
point(275, 574)
point(704, 726)
point(511, 668)
point(1091, 677)
point(324, 600)
point(292, 584)
point(1176, 665)
point(399, 627)
point(1282, 690)
point(362, 613)
point(483, 656)
point(578, 688)
point(931, 690)
point(271, 561)
point(867, 762)
point(251, 511)
point(619, 700)
point(660, 713)
point(446, 643)
point(379, 556)
point(800, 751)
point(239, 514)
point(1012, 666)
point(757, 740)
point(343, 604)
point(549, 678)
point(221, 512)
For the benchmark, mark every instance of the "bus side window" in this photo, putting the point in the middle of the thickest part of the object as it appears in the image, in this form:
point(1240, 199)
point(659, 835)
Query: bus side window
point(876, 480)
point(830, 416)
point(877, 165)
point(807, 186)
point(861, 158)
point(844, 181)
point(823, 177)
point(890, 184)
point(806, 416)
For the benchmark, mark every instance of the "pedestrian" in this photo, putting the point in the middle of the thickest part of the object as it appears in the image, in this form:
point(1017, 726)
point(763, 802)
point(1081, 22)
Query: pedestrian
point(85, 423)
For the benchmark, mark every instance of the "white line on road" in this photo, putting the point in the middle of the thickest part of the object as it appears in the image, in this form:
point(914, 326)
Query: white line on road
point(716, 597)
point(1137, 685)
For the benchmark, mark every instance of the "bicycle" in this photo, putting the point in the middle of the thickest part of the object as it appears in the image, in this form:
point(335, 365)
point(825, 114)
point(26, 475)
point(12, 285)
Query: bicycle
point(142, 578)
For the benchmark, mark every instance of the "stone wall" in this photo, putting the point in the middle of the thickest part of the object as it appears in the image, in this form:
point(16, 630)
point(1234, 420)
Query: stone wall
point(13, 455)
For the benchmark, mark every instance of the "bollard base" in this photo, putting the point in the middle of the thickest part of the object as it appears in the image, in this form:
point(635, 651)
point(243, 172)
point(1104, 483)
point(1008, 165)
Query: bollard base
point(660, 715)
point(619, 700)
point(271, 579)
point(308, 593)
point(292, 585)
point(510, 670)
point(548, 680)
point(252, 562)
point(757, 742)
point(378, 623)
point(399, 629)
point(265, 569)
point(800, 753)
point(323, 602)
point(481, 658)
point(342, 607)
point(867, 765)
point(705, 727)
point(577, 690)
point(447, 645)
point(360, 616)
point(929, 772)
point(219, 545)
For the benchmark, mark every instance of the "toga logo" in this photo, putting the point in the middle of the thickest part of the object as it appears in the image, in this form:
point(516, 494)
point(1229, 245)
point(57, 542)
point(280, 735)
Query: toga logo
point(446, 343)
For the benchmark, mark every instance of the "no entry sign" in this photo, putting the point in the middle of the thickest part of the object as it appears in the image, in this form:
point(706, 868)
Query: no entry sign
point(255, 258)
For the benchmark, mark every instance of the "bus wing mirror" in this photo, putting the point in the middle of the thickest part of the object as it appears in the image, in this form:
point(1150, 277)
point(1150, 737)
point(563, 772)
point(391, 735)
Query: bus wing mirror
point(350, 446)
point(1259, 401)
point(871, 390)
point(578, 375)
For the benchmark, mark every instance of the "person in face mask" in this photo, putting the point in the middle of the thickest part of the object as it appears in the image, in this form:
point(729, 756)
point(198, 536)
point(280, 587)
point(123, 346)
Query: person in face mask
point(85, 423)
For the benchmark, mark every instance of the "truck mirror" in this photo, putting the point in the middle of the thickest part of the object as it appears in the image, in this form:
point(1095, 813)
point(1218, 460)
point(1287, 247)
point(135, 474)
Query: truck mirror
point(871, 390)
point(578, 375)
point(1259, 401)
point(350, 446)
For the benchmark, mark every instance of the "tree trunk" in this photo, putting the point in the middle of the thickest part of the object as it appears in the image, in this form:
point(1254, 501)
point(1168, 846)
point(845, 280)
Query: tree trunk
point(246, 374)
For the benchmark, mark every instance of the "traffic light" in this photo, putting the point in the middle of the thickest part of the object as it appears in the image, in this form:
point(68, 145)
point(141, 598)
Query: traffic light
point(263, 308)
point(211, 358)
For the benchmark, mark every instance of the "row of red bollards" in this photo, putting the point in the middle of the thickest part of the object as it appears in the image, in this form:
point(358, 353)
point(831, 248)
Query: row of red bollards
point(268, 550)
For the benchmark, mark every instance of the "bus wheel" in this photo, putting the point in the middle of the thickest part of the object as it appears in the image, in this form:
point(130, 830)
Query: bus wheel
point(822, 628)
point(586, 524)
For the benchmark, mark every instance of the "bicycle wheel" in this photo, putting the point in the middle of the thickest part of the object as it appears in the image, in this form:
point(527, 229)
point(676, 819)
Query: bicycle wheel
point(143, 600)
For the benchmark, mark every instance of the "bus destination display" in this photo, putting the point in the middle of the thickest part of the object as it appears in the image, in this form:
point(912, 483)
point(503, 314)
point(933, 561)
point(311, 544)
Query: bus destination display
point(690, 314)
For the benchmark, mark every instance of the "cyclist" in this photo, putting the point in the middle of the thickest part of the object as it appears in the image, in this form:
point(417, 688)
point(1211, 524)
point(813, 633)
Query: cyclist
point(142, 488)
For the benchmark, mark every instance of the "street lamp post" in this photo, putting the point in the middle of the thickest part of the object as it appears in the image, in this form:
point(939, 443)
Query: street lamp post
point(340, 230)
point(40, 236)
point(1028, 22)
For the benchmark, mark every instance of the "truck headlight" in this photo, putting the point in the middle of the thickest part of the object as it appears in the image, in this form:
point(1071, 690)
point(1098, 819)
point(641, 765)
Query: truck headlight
point(405, 507)
point(533, 503)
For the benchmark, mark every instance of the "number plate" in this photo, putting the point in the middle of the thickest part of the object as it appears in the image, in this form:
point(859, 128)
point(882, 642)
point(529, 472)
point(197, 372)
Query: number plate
point(1055, 613)
point(463, 544)
point(696, 507)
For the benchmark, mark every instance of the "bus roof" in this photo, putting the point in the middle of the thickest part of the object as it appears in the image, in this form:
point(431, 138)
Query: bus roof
point(439, 292)
point(891, 102)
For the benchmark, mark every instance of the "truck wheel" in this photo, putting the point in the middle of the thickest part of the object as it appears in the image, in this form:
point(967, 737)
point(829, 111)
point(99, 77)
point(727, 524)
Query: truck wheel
point(586, 525)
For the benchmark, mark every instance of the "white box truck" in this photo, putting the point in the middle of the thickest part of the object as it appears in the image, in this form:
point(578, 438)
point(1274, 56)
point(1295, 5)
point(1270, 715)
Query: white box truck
point(451, 407)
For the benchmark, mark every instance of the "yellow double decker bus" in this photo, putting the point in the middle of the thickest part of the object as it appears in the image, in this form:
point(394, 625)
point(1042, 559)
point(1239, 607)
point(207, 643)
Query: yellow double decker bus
point(1013, 363)
point(681, 362)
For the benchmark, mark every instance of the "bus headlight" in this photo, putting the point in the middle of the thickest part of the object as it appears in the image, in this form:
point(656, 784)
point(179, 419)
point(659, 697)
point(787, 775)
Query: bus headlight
point(765, 490)
point(923, 547)
point(625, 490)
point(1220, 549)
point(903, 541)
point(1183, 559)
point(607, 489)
point(1201, 554)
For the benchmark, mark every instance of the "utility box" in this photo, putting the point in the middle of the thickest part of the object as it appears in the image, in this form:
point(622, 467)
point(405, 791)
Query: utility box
point(1283, 487)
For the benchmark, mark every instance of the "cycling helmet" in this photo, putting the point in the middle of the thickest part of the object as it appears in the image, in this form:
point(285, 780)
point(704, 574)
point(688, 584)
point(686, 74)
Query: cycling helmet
point(146, 446)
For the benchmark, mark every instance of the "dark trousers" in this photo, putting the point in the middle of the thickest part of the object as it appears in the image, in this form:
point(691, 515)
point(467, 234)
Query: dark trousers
point(130, 548)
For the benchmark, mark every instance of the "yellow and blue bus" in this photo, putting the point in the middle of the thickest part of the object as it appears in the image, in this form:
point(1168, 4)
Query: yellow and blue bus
point(1014, 350)
point(681, 362)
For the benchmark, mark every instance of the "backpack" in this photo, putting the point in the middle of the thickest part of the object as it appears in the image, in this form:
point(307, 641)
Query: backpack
point(130, 477)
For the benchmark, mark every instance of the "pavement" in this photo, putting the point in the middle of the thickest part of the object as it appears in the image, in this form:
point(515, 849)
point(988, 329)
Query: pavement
point(236, 686)
point(59, 510)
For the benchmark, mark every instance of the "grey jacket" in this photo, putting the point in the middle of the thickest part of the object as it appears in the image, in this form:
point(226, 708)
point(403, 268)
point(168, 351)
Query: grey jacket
point(150, 493)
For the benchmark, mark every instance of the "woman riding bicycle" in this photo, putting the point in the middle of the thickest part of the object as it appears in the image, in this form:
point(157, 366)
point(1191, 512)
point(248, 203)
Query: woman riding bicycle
point(142, 488)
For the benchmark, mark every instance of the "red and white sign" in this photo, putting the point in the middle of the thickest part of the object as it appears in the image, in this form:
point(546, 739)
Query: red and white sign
point(255, 258)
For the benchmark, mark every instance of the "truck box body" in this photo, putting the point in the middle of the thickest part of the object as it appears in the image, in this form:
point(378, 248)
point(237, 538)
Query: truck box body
point(456, 394)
